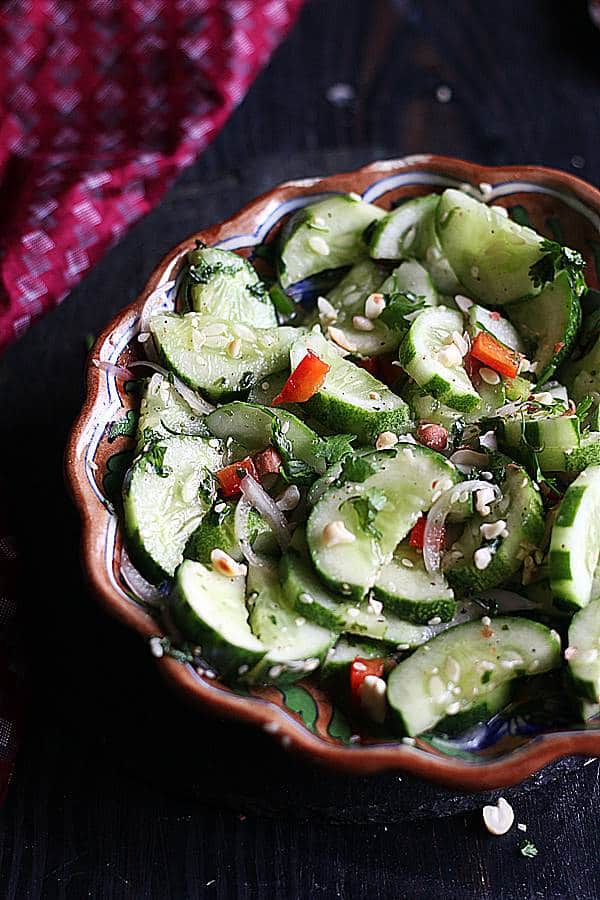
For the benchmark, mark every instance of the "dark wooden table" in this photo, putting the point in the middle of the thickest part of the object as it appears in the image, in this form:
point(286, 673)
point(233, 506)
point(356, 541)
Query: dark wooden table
point(120, 790)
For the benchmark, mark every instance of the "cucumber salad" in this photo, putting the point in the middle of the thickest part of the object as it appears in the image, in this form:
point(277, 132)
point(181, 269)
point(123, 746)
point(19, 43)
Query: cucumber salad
point(377, 465)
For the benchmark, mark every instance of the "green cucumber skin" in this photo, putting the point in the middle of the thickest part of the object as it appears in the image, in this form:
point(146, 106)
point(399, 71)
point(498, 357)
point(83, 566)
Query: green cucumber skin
point(585, 629)
point(480, 712)
point(418, 613)
point(573, 555)
point(136, 548)
point(220, 534)
point(407, 691)
point(587, 454)
point(345, 418)
point(299, 581)
point(463, 576)
point(393, 588)
point(413, 211)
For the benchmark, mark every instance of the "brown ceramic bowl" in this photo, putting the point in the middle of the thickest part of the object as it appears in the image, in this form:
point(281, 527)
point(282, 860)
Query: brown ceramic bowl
point(302, 717)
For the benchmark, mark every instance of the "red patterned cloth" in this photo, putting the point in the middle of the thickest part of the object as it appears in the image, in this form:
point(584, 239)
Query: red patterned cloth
point(102, 103)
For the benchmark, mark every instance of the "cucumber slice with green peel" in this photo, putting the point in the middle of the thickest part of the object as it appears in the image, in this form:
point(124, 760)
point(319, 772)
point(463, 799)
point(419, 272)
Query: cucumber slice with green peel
point(549, 440)
point(324, 235)
point(219, 357)
point(520, 507)
point(490, 254)
point(210, 610)
point(575, 542)
point(378, 513)
point(583, 654)
point(348, 299)
point(351, 400)
point(217, 531)
point(341, 656)
point(255, 427)
point(587, 454)
point(549, 322)
point(422, 355)
point(407, 590)
point(412, 278)
point(432, 256)
point(427, 409)
point(463, 666)
point(223, 285)
point(166, 492)
point(398, 234)
point(582, 376)
point(309, 598)
point(481, 710)
point(164, 413)
point(295, 646)
point(498, 326)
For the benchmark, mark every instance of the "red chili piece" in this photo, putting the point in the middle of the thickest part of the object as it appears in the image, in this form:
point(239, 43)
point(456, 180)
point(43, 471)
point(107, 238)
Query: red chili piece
point(304, 381)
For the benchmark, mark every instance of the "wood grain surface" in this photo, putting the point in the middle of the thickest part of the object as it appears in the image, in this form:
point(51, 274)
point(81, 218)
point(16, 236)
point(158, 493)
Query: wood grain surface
point(105, 802)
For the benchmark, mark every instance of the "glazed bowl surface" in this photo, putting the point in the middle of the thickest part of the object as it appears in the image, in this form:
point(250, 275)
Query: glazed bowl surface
point(302, 717)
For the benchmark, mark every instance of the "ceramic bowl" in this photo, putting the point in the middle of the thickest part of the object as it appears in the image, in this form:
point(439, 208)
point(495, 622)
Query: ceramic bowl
point(302, 717)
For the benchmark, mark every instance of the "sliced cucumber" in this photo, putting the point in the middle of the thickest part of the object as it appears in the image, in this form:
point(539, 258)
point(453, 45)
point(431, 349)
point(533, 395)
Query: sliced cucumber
point(575, 542)
point(521, 508)
point(432, 256)
point(550, 322)
point(422, 355)
point(587, 454)
point(223, 285)
point(407, 589)
point(351, 400)
point(344, 652)
point(210, 610)
point(412, 278)
point(584, 656)
point(551, 438)
point(295, 646)
point(255, 427)
point(481, 710)
point(490, 254)
point(324, 235)
point(464, 665)
point(483, 319)
point(402, 485)
point(217, 357)
point(217, 531)
point(398, 234)
point(166, 493)
point(582, 377)
point(164, 412)
point(309, 598)
point(426, 408)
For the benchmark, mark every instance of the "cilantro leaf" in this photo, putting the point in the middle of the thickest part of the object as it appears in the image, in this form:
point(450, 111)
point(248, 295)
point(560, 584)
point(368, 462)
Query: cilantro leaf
point(528, 849)
point(124, 427)
point(295, 470)
point(584, 406)
point(555, 259)
point(399, 305)
point(333, 449)
point(153, 459)
point(356, 468)
point(367, 506)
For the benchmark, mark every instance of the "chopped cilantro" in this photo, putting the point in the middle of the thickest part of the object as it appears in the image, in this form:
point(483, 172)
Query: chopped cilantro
point(281, 301)
point(295, 470)
point(356, 468)
point(153, 459)
point(584, 406)
point(367, 507)
point(334, 449)
point(399, 305)
point(528, 849)
point(124, 427)
point(555, 259)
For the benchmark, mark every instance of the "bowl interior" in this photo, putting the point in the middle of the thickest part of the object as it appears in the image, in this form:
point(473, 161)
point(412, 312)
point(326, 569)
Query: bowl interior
point(102, 452)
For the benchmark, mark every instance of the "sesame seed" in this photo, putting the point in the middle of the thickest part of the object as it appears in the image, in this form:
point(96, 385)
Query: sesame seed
point(409, 741)
point(156, 647)
point(319, 245)
point(436, 620)
point(407, 563)
point(453, 708)
point(362, 323)
point(306, 598)
point(489, 376)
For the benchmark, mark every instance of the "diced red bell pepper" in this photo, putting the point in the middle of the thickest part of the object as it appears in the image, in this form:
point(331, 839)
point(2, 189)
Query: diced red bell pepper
point(231, 476)
point(267, 462)
point(304, 381)
point(433, 436)
point(417, 535)
point(495, 355)
point(359, 670)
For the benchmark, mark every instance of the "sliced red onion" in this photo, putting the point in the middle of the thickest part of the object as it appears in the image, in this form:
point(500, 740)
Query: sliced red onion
point(466, 459)
point(289, 499)
point(112, 369)
point(142, 589)
point(242, 534)
point(196, 403)
point(510, 409)
point(257, 497)
point(151, 303)
point(436, 518)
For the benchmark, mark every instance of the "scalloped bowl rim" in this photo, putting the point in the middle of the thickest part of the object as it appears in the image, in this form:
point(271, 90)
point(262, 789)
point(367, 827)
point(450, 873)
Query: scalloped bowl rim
point(99, 526)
